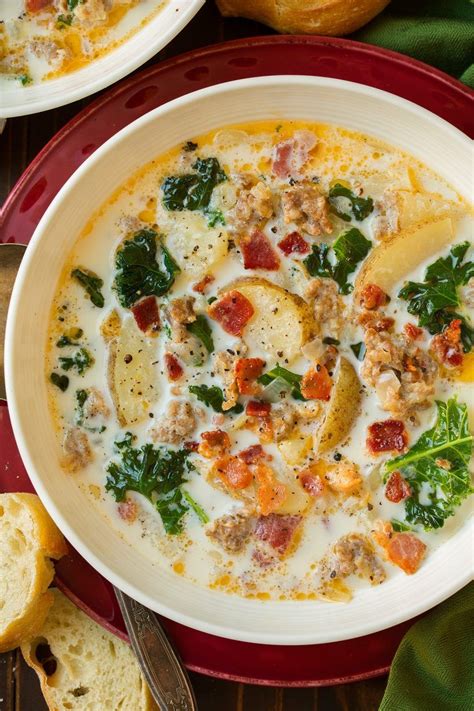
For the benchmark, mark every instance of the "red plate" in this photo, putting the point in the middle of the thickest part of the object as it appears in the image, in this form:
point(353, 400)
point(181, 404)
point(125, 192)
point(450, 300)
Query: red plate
point(314, 665)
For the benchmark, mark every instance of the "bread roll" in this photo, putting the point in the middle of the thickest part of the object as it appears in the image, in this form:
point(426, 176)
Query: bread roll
point(315, 17)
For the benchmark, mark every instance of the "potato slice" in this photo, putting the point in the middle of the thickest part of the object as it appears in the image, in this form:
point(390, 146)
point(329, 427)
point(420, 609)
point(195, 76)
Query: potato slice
point(342, 408)
point(294, 449)
point(132, 382)
point(415, 208)
point(395, 258)
point(193, 245)
point(282, 322)
point(297, 500)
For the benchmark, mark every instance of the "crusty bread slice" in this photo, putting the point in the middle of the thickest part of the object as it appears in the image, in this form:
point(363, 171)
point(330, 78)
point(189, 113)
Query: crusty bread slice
point(321, 17)
point(28, 539)
point(82, 667)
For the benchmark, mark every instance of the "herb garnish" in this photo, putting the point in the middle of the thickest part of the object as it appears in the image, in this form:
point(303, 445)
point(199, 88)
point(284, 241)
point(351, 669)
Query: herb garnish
point(350, 248)
point(61, 381)
point(214, 217)
point(437, 467)
point(70, 338)
point(190, 146)
point(400, 526)
point(328, 341)
point(213, 397)
point(193, 191)
point(359, 206)
point(137, 271)
point(63, 21)
point(157, 474)
point(80, 361)
point(72, 4)
point(201, 329)
point(25, 79)
point(434, 299)
point(359, 350)
point(293, 379)
point(91, 283)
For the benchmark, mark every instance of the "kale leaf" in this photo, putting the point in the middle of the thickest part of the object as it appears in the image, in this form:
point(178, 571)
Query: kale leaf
point(61, 381)
point(70, 338)
point(213, 397)
point(198, 510)
point(63, 21)
point(81, 397)
point(436, 467)
point(201, 329)
point(214, 217)
point(137, 271)
point(293, 379)
point(359, 206)
point(80, 361)
point(435, 299)
point(350, 248)
point(359, 350)
point(156, 473)
point(91, 283)
point(193, 191)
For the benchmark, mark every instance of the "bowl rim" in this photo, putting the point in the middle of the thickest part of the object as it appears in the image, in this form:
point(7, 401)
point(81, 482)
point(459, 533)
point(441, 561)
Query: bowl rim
point(446, 588)
point(121, 66)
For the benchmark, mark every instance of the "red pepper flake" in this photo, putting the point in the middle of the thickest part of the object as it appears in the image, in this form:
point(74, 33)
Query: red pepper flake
point(412, 331)
point(311, 483)
point(316, 383)
point(257, 408)
point(146, 315)
point(293, 243)
point(373, 296)
point(232, 311)
point(253, 454)
point(447, 346)
point(258, 253)
point(247, 371)
point(202, 285)
point(387, 436)
point(173, 367)
point(397, 488)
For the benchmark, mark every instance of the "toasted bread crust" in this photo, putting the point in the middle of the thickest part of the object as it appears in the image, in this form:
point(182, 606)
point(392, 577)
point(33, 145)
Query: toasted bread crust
point(322, 17)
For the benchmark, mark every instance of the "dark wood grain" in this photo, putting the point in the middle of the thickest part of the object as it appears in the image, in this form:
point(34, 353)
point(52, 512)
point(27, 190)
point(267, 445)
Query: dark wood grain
point(21, 140)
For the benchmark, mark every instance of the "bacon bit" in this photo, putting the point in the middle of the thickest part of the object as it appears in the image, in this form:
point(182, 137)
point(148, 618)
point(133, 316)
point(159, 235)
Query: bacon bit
point(412, 331)
point(447, 346)
point(406, 551)
point(373, 296)
point(233, 472)
point(311, 483)
point(271, 493)
point(257, 408)
point(293, 243)
point(277, 530)
point(214, 443)
point(232, 311)
point(174, 369)
point(383, 532)
point(202, 285)
point(37, 5)
point(289, 156)
point(253, 454)
point(191, 446)
point(147, 315)
point(397, 488)
point(128, 510)
point(258, 253)
point(387, 436)
point(247, 371)
point(316, 383)
point(343, 477)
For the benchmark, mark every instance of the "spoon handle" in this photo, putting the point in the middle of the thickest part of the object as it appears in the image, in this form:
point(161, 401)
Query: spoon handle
point(163, 670)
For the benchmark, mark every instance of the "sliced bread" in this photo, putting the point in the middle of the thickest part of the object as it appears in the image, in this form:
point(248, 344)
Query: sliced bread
point(82, 667)
point(28, 540)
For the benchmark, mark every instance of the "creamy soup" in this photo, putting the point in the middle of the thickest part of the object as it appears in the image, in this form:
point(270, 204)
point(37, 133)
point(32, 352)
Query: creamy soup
point(44, 39)
point(258, 360)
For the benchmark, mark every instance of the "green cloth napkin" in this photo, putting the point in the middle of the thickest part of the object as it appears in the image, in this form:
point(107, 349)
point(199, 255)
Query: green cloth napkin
point(438, 32)
point(433, 669)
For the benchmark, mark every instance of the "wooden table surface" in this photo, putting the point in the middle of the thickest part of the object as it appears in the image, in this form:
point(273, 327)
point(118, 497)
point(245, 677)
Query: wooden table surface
point(19, 690)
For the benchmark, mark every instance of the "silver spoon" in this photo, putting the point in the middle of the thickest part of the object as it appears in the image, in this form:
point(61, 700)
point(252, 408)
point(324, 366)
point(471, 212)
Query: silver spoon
point(161, 666)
